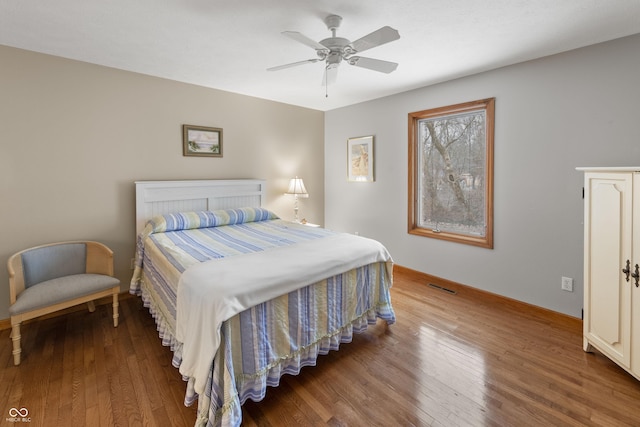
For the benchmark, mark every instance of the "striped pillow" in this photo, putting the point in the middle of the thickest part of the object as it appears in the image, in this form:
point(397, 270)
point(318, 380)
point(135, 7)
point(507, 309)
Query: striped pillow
point(205, 219)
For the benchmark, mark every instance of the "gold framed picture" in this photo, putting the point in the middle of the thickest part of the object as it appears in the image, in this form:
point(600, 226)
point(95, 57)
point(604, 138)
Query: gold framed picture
point(201, 141)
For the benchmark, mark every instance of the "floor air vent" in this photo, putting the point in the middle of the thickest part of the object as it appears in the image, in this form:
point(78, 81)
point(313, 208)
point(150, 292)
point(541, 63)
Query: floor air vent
point(451, 291)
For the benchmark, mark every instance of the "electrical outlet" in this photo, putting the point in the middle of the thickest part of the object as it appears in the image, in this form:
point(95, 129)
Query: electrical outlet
point(567, 284)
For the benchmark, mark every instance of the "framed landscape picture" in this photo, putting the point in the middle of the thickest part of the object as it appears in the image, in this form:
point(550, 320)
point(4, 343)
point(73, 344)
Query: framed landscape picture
point(201, 141)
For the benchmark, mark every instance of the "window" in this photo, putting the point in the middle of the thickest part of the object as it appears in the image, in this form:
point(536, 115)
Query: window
point(451, 173)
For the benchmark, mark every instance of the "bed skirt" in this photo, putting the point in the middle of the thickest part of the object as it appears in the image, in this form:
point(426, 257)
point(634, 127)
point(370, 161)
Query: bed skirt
point(277, 337)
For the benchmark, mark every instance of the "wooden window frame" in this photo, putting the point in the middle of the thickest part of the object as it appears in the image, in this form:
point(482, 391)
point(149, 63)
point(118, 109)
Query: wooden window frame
point(486, 105)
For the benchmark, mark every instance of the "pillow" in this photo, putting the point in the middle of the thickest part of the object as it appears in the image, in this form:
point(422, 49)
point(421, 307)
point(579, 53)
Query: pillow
point(205, 219)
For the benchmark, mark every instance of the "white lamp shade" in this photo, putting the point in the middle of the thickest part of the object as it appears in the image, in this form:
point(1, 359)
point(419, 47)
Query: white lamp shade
point(296, 187)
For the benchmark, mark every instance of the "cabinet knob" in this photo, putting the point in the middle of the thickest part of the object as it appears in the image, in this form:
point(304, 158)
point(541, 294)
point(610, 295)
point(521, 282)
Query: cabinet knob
point(627, 270)
point(636, 275)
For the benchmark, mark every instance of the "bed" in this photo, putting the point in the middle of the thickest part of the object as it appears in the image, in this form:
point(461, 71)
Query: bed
point(243, 297)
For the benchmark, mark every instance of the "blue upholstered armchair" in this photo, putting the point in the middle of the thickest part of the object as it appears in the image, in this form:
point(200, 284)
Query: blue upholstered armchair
point(56, 276)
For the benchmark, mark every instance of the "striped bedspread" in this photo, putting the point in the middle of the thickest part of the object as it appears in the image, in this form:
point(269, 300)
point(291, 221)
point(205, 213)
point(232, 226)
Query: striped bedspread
point(262, 343)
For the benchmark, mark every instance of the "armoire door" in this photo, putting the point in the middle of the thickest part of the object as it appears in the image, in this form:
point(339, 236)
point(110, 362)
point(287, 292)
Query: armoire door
point(608, 240)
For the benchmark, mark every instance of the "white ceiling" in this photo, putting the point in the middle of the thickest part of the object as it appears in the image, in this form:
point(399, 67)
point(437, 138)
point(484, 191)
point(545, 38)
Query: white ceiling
point(229, 44)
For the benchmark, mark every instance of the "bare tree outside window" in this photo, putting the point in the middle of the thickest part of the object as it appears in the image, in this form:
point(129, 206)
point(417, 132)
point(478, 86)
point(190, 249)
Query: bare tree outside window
point(451, 173)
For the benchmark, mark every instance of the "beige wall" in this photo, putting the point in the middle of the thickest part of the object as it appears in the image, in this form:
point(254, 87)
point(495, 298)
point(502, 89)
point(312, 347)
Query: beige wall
point(74, 137)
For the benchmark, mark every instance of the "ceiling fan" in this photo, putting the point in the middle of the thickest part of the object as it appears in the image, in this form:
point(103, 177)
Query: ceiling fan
point(334, 50)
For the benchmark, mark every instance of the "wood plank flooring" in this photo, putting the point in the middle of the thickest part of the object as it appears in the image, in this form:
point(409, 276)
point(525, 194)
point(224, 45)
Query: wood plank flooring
point(464, 359)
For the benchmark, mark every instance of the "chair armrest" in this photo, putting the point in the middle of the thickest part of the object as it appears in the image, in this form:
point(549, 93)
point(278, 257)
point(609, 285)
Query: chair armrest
point(16, 277)
point(99, 259)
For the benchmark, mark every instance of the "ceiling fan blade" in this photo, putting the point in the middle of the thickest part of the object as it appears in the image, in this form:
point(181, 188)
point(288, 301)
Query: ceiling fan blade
point(293, 64)
point(305, 40)
point(330, 76)
point(373, 64)
point(377, 38)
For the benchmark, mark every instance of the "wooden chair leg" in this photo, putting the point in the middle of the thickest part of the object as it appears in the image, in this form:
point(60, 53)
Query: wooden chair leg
point(115, 310)
point(15, 337)
point(92, 306)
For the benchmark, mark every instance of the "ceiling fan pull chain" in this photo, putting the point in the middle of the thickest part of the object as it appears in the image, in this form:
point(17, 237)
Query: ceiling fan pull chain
point(326, 83)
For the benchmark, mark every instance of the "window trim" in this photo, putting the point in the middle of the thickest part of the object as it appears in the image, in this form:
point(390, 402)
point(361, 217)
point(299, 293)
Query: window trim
point(488, 105)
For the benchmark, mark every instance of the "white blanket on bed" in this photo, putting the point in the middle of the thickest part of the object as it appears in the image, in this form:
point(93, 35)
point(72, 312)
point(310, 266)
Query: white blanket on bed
point(214, 291)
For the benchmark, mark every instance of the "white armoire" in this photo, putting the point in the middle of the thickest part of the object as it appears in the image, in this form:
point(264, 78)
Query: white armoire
point(611, 264)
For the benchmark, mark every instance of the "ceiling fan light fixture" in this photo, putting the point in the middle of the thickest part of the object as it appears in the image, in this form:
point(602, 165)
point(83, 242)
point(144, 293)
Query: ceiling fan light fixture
point(333, 59)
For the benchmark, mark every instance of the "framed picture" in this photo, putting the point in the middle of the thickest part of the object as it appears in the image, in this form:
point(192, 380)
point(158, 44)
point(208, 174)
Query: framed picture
point(451, 173)
point(201, 141)
point(360, 159)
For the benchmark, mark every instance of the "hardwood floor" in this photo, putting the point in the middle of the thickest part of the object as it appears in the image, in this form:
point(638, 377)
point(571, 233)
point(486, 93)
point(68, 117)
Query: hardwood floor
point(464, 359)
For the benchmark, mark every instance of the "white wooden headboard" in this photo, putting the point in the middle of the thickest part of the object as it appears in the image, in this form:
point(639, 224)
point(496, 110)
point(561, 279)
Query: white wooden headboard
point(162, 197)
